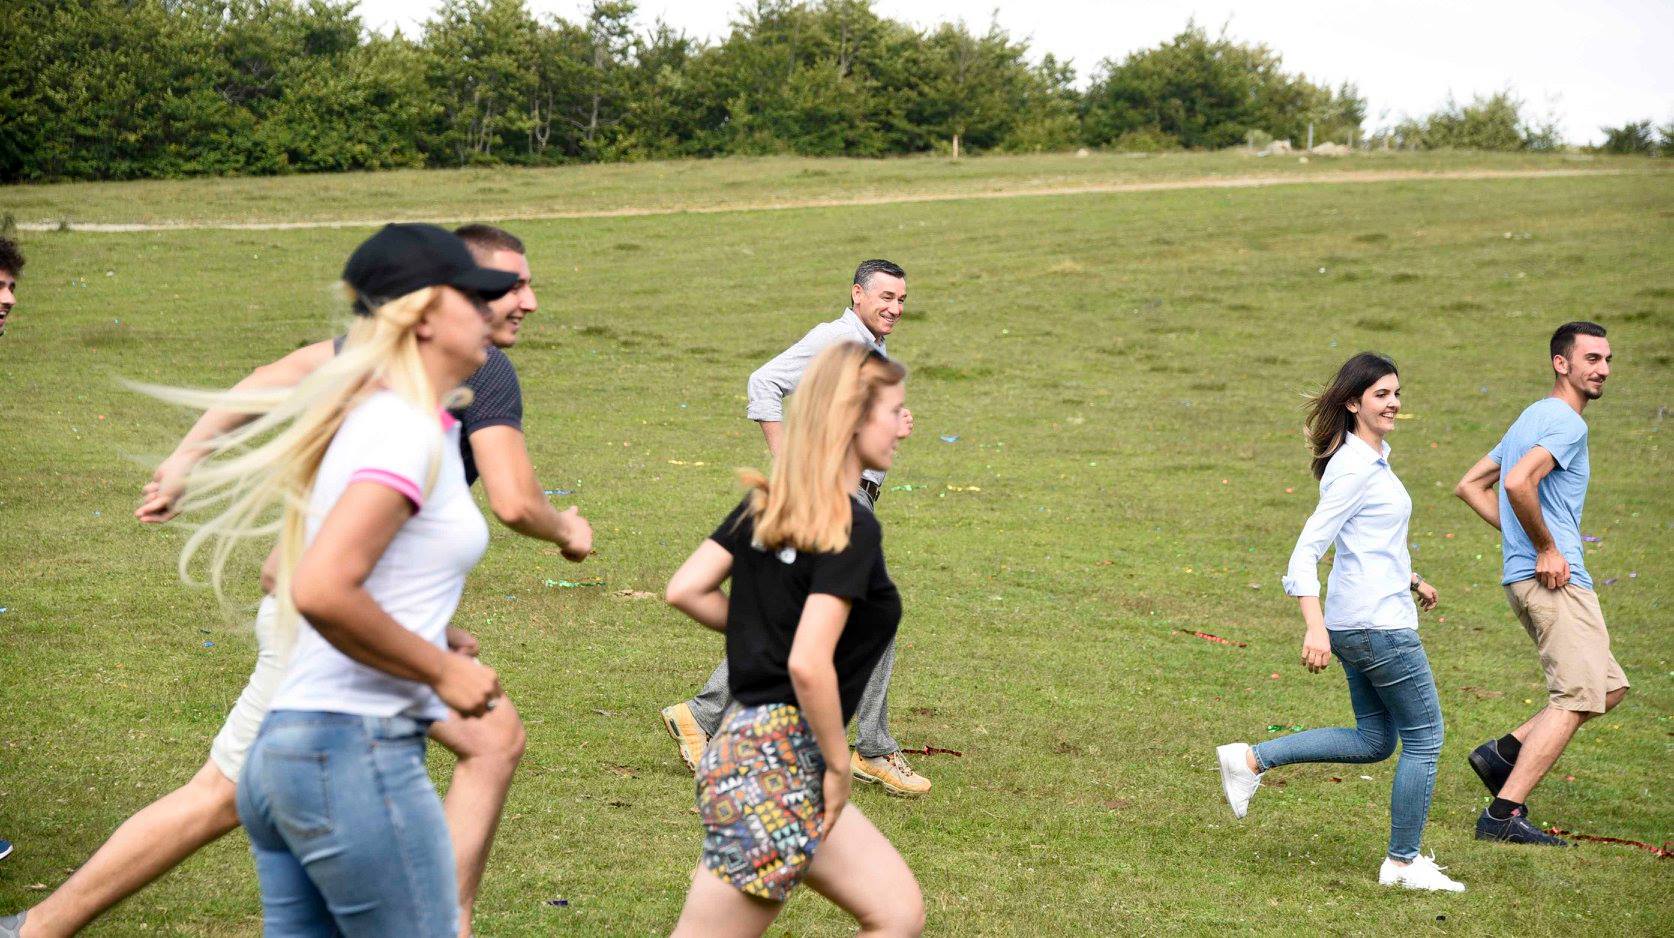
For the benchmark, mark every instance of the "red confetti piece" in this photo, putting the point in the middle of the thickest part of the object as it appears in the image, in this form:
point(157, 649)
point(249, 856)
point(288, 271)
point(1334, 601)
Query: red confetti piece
point(1336, 779)
point(1212, 638)
point(935, 751)
point(1664, 852)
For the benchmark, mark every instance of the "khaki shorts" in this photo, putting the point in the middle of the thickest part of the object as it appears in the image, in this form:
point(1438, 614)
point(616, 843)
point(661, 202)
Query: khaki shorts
point(1567, 626)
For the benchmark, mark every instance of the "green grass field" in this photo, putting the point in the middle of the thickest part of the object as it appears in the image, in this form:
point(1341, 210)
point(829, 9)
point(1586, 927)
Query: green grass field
point(1123, 374)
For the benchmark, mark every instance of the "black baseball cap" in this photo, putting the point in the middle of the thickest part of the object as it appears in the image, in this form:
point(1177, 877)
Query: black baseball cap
point(406, 257)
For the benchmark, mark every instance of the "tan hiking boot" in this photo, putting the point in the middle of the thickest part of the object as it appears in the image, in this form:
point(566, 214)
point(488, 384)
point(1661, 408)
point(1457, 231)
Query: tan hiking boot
point(680, 723)
point(892, 772)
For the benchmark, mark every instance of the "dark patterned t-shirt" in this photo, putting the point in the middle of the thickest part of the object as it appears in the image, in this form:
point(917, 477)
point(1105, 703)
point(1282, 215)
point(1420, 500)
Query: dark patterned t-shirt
point(496, 401)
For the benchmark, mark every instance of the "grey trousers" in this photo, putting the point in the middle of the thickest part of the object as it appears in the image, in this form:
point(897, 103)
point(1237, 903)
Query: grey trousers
point(871, 719)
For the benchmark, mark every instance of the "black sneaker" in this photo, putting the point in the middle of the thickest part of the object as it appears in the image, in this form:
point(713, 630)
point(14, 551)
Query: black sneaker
point(1490, 766)
point(1515, 830)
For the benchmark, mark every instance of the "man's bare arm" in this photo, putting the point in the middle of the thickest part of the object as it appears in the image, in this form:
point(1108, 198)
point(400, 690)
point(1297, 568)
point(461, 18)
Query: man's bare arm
point(774, 431)
point(1522, 490)
point(1476, 489)
point(160, 497)
point(516, 497)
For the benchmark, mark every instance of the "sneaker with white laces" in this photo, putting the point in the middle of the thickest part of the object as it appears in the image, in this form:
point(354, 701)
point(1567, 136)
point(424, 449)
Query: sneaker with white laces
point(1421, 873)
point(11, 926)
point(892, 772)
point(1237, 780)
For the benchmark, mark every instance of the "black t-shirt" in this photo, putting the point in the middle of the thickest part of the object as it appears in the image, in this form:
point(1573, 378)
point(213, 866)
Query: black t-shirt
point(769, 589)
point(496, 401)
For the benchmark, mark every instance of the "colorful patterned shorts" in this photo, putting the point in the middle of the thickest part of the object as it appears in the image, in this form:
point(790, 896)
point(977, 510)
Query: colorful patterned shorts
point(760, 791)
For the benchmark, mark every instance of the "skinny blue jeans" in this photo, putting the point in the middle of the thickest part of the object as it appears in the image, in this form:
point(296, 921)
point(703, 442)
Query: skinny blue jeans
point(1394, 695)
point(347, 830)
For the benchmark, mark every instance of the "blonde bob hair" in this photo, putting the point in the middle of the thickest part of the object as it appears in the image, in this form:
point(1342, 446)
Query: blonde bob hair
point(805, 504)
point(256, 480)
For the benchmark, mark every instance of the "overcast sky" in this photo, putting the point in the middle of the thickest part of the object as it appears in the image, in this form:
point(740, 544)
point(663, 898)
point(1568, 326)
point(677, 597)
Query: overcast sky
point(1589, 63)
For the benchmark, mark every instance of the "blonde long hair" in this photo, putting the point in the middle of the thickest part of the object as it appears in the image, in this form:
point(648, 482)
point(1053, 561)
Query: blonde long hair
point(806, 502)
point(271, 462)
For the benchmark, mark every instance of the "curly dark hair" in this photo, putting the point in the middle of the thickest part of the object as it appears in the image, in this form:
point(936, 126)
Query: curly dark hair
point(11, 257)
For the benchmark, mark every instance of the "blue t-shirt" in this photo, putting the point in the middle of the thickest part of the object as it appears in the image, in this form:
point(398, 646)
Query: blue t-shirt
point(1555, 427)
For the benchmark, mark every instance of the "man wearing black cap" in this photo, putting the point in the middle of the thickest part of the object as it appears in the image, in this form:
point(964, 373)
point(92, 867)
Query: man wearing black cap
point(172, 828)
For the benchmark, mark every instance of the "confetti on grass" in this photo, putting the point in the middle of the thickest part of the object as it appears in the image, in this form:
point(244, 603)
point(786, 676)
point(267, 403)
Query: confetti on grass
point(573, 584)
point(1212, 638)
point(1663, 852)
point(1280, 728)
point(950, 438)
point(558, 903)
point(1591, 539)
point(560, 491)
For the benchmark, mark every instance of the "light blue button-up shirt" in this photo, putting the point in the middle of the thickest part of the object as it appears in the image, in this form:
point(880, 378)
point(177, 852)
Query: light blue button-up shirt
point(779, 377)
point(1363, 511)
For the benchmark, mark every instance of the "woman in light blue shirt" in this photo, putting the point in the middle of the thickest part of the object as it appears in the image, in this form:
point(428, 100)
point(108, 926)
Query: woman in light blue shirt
point(1369, 620)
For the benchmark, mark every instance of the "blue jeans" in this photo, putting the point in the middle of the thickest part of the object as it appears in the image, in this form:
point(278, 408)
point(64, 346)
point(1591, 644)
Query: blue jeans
point(347, 830)
point(1394, 694)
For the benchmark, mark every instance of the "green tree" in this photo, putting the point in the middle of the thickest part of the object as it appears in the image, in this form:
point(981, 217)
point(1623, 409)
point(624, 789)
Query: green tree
point(1634, 137)
point(1196, 90)
point(972, 86)
point(480, 70)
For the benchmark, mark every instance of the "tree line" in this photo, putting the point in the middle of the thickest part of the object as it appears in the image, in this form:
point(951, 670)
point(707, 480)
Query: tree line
point(120, 89)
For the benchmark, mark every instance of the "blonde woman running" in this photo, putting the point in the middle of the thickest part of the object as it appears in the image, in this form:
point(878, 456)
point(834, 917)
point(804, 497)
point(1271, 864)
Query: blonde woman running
point(812, 608)
point(377, 532)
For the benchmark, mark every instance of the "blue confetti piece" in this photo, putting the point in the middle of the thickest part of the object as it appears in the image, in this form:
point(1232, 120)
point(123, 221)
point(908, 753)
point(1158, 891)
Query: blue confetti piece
point(558, 903)
point(950, 438)
point(560, 491)
point(3, 609)
point(1591, 539)
point(208, 644)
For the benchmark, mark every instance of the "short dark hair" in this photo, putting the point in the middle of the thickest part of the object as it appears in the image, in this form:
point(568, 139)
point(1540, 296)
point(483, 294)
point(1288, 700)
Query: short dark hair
point(486, 239)
point(1564, 339)
point(863, 274)
point(11, 257)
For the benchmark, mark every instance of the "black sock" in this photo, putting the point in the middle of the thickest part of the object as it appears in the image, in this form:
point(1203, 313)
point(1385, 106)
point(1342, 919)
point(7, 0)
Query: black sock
point(1509, 746)
point(1501, 809)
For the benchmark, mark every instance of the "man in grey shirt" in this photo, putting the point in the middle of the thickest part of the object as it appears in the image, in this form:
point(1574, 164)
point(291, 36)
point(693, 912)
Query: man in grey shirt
point(878, 298)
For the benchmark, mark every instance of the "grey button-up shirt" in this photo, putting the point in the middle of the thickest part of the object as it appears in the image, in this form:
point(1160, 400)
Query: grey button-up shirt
point(779, 377)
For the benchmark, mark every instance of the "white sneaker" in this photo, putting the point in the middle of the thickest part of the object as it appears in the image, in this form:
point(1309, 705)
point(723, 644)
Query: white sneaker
point(1237, 780)
point(1421, 873)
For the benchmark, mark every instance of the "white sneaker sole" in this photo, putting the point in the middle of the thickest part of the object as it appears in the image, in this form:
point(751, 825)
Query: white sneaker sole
point(1406, 885)
point(1229, 757)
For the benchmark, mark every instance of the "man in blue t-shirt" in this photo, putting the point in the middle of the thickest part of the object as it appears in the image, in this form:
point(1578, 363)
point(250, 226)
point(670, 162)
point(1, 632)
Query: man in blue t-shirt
point(1541, 467)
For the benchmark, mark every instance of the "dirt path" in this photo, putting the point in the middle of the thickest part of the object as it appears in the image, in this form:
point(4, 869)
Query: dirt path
point(1202, 182)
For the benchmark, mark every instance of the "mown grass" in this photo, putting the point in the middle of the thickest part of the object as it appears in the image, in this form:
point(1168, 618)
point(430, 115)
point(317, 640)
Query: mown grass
point(694, 185)
point(1122, 372)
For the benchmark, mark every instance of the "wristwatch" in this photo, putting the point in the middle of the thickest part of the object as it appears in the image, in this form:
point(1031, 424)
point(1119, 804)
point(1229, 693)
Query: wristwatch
point(1417, 581)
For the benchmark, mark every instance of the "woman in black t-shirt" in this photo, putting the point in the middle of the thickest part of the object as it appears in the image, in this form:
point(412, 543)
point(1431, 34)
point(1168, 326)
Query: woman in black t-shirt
point(811, 611)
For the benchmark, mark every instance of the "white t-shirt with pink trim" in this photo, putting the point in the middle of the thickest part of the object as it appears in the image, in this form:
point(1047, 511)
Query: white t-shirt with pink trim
point(419, 578)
